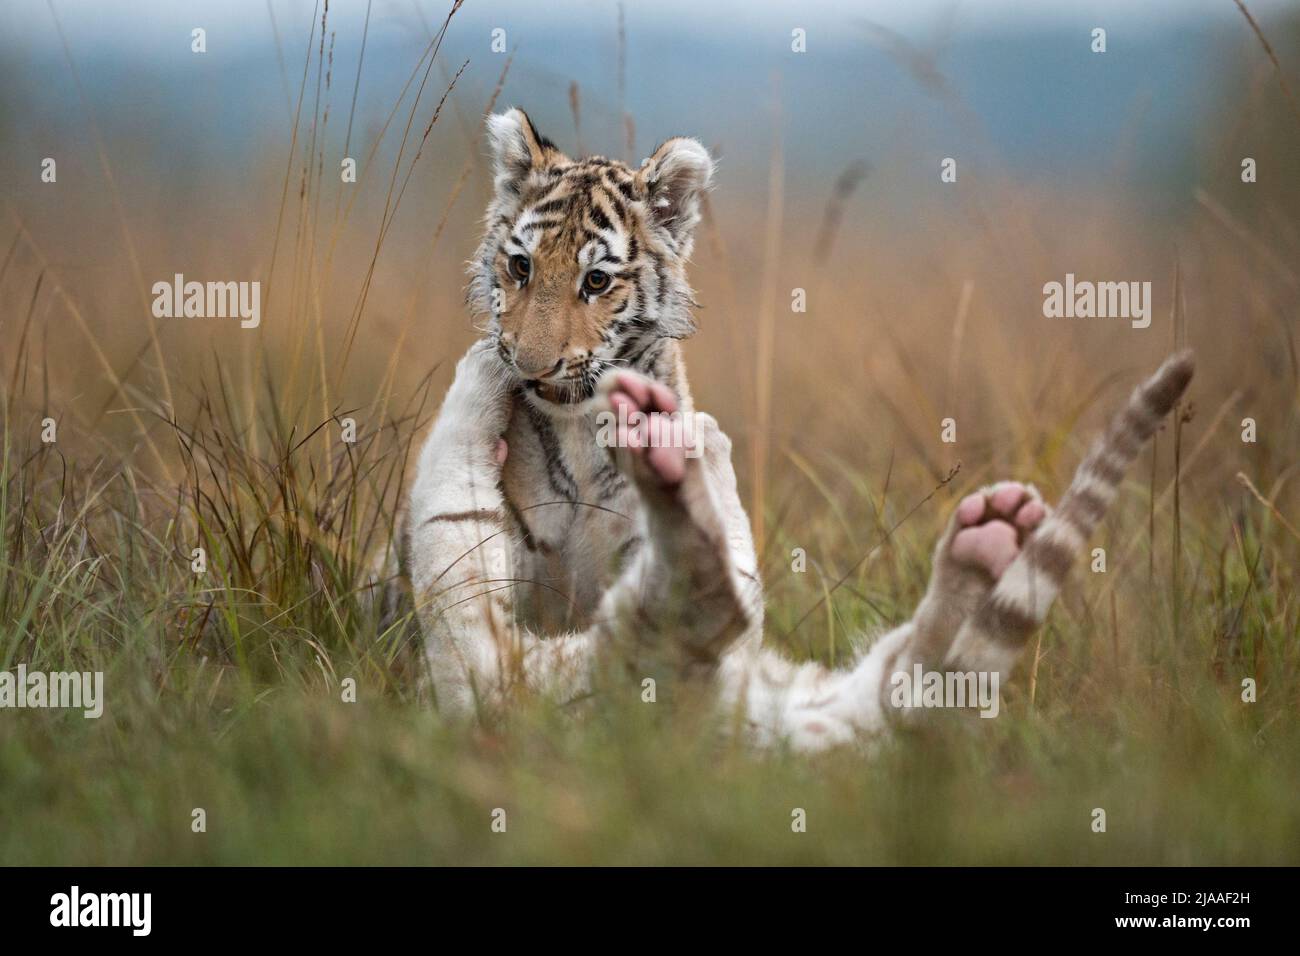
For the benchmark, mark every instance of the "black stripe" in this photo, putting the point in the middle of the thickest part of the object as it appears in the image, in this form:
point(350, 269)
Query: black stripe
point(599, 219)
point(1104, 468)
point(1161, 394)
point(1050, 556)
point(482, 514)
point(1083, 508)
point(552, 189)
point(609, 482)
point(625, 188)
point(620, 210)
point(1140, 421)
point(559, 477)
point(540, 224)
point(525, 532)
point(1005, 624)
point(551, 205)
point(626, 550)
point(589, 237)
point(1121, 439)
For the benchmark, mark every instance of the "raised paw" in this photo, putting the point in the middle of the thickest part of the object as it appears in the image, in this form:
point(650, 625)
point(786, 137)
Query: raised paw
point(646, 428)
point(992, 525)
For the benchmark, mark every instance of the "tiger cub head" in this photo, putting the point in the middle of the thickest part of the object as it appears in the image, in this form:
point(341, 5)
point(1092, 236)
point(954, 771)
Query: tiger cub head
point(583, 263)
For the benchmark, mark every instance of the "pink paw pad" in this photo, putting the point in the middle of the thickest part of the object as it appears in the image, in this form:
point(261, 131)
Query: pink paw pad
point(993, 525)
point(646, 439)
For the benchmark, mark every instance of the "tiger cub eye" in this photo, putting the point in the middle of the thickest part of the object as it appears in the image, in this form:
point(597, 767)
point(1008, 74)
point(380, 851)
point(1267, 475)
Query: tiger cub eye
point(520, 268)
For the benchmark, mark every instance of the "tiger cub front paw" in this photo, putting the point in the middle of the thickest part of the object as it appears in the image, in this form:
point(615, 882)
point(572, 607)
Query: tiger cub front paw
point(644, 430)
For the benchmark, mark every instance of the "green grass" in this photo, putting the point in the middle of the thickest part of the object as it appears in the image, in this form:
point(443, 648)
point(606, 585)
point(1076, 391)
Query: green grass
point(223, 692)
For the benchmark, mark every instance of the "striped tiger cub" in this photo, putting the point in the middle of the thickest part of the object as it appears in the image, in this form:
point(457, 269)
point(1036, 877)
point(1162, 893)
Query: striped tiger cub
point(552, 531)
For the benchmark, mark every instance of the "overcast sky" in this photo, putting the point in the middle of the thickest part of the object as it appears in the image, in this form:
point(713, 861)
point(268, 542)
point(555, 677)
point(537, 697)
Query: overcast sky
point(133, 25)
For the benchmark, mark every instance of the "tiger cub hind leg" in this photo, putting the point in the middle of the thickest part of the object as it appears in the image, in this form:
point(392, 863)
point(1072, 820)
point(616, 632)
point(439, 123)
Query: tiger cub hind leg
point(995, 581)
point(991, 525)
point(997, 571)
point(983, 538)
point(995, 635)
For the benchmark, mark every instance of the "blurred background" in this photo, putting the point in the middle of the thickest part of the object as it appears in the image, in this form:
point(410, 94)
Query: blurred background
point(924, 298)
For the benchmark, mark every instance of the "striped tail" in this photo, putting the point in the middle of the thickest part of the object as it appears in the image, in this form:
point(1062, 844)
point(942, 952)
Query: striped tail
point(993, 637)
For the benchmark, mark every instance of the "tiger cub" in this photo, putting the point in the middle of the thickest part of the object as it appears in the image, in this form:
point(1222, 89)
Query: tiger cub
point(552, 530)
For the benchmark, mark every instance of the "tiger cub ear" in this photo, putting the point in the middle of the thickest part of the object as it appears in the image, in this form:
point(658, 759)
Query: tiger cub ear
point(674, 178)
point(517, 149)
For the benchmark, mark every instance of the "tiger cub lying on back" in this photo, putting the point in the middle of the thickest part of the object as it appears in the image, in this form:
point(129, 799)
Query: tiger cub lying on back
point(544, 561)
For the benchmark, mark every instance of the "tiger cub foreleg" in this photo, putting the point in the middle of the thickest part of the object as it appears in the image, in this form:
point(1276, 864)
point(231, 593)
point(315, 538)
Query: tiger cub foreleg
point(681, 589)
point(459, 557)
point(690, 589)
